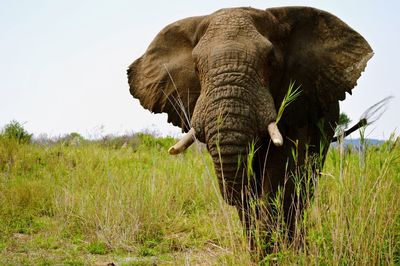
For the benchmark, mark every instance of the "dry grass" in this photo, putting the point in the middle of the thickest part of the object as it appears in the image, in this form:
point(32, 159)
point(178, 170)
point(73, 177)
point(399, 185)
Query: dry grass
point(80, 205)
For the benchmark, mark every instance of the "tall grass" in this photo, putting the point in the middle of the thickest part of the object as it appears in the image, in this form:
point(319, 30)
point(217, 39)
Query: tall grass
point(134, 205)
point(133, 200)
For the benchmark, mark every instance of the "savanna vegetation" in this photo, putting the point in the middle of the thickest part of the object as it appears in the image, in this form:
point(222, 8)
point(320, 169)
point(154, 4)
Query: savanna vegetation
point(73, 201)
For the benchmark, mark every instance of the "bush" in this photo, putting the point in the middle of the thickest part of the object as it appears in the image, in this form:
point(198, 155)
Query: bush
point(97, 248)
point(117, 142)
point(14, 130)
point(152, 141)
point(137, 140)
point(72, 139)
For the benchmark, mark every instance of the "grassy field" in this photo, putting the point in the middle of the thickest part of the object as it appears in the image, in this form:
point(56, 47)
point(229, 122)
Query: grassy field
point(126, 201)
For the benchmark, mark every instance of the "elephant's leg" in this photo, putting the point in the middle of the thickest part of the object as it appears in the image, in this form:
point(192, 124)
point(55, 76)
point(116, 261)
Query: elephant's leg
point(293, 206)
point(291, 179)
point(278, 190)
point(252, 215)
point(239, 194)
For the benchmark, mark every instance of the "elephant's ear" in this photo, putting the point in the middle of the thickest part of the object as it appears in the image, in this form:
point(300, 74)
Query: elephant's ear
point(164, 78)
point(323, 54)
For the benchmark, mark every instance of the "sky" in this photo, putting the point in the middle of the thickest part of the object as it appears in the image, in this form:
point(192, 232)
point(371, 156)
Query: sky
point(63, 63)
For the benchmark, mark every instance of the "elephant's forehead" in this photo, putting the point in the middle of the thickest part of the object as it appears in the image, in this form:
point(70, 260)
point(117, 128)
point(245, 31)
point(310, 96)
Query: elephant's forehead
point(231, 23)
point(233, 17)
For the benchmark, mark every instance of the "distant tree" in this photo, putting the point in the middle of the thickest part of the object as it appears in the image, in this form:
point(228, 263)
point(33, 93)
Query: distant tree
point(73, 139)
point(343, 123)
point(344, 120)
point(14, 130)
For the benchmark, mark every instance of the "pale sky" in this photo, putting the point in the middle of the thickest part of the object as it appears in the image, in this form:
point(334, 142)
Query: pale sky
point(63, 63)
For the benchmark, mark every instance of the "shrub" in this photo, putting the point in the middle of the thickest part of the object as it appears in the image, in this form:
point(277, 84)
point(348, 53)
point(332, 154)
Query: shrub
point(14, 130)
point(72, 139)
point(97, 248)
point(117, 142)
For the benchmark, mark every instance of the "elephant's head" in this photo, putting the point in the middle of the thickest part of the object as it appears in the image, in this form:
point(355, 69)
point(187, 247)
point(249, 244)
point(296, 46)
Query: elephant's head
point(222, 76)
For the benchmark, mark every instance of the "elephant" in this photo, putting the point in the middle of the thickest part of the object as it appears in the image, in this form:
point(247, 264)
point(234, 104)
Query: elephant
point(222, 77)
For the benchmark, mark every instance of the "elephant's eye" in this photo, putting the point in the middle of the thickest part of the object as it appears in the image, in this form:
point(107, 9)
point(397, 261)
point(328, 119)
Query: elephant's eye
point(196, 70)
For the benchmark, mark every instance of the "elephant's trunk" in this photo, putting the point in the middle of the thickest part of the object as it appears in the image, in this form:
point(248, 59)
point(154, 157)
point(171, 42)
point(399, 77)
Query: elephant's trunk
point(229, 163)
point(238, 109)
point(230, 126)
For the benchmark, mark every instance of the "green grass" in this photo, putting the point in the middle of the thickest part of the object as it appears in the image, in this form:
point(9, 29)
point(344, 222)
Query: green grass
point(134, 205)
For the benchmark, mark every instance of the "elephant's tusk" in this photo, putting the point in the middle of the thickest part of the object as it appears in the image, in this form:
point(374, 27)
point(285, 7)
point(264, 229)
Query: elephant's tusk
point(275, 135)
point(183, 144)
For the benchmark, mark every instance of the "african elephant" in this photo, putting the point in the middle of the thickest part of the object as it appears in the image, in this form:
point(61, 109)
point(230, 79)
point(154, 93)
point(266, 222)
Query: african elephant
point(221, 78)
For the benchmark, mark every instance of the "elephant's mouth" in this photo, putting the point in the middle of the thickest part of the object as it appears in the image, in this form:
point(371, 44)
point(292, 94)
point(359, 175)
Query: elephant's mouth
point(187, 140)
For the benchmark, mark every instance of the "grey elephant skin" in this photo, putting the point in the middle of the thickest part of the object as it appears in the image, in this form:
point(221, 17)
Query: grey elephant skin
point(223, 76)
